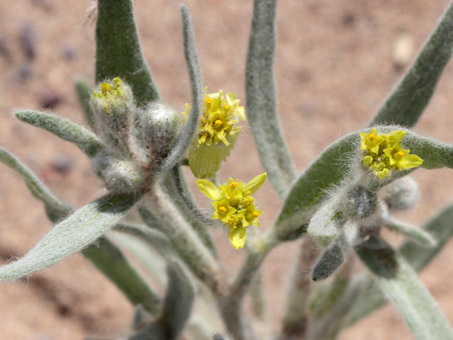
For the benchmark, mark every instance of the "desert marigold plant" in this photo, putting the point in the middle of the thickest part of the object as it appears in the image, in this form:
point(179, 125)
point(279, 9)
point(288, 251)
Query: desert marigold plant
point(139, 146)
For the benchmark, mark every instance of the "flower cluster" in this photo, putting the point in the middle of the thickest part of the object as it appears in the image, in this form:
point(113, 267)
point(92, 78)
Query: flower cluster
point(234, 205)
point(383, 152)
point(217, 133)
point(111, 97)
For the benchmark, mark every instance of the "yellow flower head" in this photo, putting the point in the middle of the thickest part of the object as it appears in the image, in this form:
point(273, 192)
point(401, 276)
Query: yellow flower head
point(383, 153)
point(217, 133)
point(112, 97)
point(234, 205)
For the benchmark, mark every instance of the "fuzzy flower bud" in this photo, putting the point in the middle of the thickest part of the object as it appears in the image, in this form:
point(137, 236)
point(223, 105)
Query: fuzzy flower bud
point(120, 176)
point(160, 124)
point(401, 194)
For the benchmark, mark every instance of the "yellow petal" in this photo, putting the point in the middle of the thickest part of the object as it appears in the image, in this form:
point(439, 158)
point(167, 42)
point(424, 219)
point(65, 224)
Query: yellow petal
point(412, 161)
point(255, 183)
point(209, 189)
point(237, 237)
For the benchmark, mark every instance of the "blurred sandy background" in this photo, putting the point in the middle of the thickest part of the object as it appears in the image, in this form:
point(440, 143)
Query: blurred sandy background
point(335, 62)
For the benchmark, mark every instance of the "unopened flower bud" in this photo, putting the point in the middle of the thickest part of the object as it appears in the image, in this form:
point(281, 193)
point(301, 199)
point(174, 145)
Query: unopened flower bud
point(401, 194)
point(160, 124)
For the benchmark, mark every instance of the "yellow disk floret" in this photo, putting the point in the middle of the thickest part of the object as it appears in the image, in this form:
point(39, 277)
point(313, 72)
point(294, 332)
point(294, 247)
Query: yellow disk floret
point(383, 153)
point(234, 205)
point(111, 96)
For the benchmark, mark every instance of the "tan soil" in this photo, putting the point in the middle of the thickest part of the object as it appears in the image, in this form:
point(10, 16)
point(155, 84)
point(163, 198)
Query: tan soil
point(334, 65)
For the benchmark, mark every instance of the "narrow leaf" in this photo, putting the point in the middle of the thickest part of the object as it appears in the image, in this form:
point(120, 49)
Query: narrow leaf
point(261, 99)
point(400, 283)
point(440, 227)
point(37, 188)
point(73, 234)
point(86, 140)
point(190, 128)
point(118, 51)
point(408, 100)
point(178, 301)
point(107, 258)
point(332, 258)
point(413, 233)
point(84, 91)
point(112, 263)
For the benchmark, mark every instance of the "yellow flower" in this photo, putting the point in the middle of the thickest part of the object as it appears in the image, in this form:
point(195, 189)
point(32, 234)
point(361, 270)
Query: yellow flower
point(112, 97)
point(217, 133)
point(234, 205)
point(383, 153)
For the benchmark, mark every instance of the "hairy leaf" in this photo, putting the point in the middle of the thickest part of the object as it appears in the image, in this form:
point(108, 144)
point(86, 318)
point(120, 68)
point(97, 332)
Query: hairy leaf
point(261, 99)
point(86, 140)
point(118, 52)
point(400, 283)
point(73, 234)
point(408, 100)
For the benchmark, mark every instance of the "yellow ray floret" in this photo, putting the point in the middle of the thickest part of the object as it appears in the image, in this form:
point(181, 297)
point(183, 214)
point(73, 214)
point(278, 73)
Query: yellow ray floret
point(234, 205)
point(383, 152)
point(217, 132)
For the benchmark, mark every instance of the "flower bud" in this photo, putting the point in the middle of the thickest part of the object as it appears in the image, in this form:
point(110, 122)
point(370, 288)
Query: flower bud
point(119, 175)
point(160, 124)
point(401, 194)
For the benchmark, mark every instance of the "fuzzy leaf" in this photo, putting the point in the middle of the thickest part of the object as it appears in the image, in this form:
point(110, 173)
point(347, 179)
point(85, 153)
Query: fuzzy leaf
point(84, 91)
point(413, 233)
point(406, 103)
point(440, 227)
point(118, 52)
point(73, 234)
point(330, 168)
point(261, 101)
point(190, 128)
point(332, 258)
point(178, 301)
point(86, 140)
point(112, 263)
point(37, 188)
point(400, 283)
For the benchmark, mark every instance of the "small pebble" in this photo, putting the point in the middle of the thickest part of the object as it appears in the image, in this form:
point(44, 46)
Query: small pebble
point(50, 100)
point(62, 164)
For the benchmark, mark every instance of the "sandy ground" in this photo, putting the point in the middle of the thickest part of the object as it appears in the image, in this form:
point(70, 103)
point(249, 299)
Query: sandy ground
point(334, 65)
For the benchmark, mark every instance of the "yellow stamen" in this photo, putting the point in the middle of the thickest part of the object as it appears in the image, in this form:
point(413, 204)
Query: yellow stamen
point(255, 214)
point(208, 100)
point(222, 209)
point(218, 123)
point(371, 137)
point(400, 153)
point(234, 185)
point(232, 221)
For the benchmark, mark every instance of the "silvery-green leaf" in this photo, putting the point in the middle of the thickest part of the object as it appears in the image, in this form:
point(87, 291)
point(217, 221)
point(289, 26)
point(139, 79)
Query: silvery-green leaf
point(408, 100)
point(178, 301)
point(261, 99)
point(71, 235)
point(190, 128)
point(400, 283)
point(118, 51)
point(86, 140)
point(84, 91)
point(440, 227)
point(330, 260)
point(37, 188)
point(112, 263)
point(413, 233)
